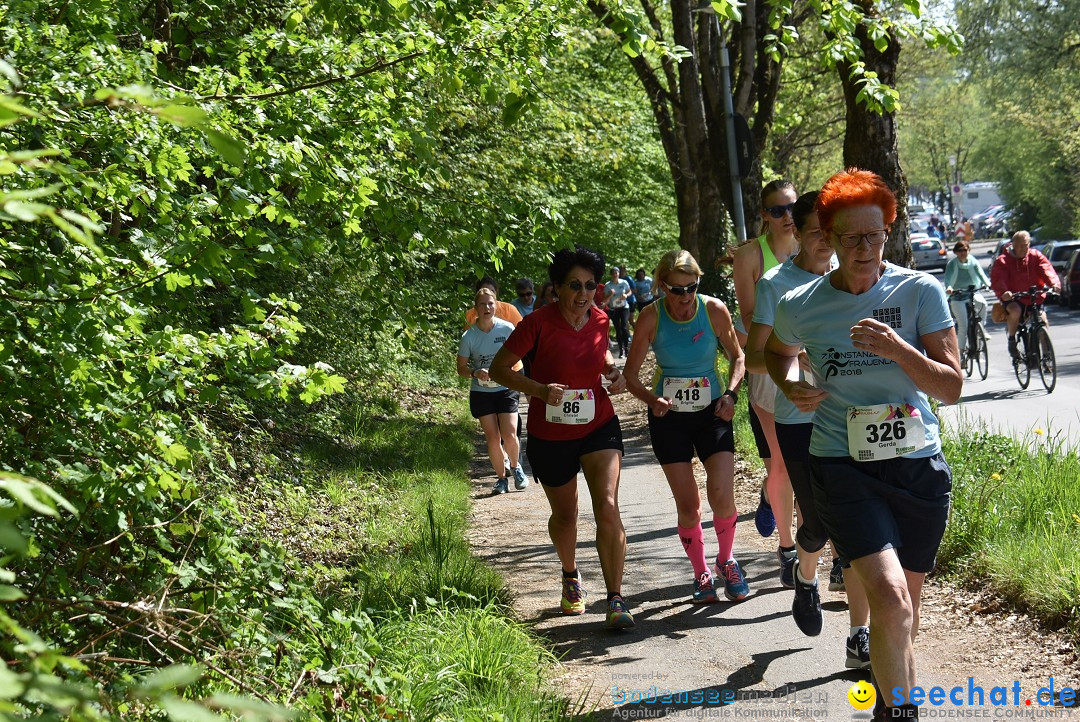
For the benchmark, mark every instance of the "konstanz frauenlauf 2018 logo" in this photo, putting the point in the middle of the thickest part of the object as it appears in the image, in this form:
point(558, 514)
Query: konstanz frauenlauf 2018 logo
point(849, 363)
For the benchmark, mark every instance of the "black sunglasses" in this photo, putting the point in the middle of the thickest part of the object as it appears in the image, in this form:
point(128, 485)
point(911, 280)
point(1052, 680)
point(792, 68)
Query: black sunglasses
point(576, 286)
point(683, 290)
point(524, 294)
point(779, 211)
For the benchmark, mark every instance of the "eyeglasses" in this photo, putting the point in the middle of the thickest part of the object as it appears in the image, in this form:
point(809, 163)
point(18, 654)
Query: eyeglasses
point(682, 290)
point(779, 211)
point(576, 286)
point(525, 294)
point(961, 250)
point(874, 238)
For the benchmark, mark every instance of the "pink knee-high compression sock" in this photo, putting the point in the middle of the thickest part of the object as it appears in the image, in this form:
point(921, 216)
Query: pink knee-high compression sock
point(725, 535)
point(693, 543)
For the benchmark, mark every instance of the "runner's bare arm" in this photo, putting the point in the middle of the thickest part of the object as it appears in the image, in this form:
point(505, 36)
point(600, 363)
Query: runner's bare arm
point(502, 372)
point(782, 362)
point(755, 348)
point(746, 269)
point(937, 373)
point(725, 333)
point(644, 335)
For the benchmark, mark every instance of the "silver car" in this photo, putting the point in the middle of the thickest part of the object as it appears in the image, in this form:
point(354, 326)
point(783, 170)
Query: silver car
point(928, 252)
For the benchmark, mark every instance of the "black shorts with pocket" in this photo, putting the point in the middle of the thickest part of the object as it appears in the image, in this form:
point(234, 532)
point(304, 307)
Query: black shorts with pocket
point(677, 434)
point(870, 506)
point(485, 403)
point(555, 463)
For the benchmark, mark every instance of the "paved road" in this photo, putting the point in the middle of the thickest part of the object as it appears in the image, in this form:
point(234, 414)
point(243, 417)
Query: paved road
point(999, 404)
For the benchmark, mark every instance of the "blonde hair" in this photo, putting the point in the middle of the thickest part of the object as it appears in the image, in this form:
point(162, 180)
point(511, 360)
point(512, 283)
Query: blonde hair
point(484, 292)
point(678, 260)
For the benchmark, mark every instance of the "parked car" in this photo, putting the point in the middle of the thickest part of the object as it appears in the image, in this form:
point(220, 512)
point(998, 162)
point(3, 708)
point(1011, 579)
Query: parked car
point(928, 252)
point(1070, 281)
point(1058, 253)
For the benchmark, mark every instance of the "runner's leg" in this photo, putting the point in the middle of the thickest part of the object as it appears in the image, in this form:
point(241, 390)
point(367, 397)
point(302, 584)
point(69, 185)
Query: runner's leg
point(601, 469)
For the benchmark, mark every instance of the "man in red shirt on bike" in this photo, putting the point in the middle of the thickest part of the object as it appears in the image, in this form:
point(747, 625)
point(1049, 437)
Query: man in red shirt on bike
point(1016, 270)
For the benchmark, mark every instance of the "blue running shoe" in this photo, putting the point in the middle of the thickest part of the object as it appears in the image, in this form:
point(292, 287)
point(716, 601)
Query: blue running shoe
point(704, 592)
point(763, 517)
point(787, 559)
point(501, 487)
point(520, 480)
point(735, 586)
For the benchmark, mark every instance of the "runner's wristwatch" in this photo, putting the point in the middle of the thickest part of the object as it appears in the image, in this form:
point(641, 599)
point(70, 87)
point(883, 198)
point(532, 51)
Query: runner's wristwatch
point(734, 396)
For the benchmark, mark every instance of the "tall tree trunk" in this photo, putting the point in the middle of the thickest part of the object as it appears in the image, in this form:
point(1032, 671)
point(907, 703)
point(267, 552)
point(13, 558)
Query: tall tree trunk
point(870, 140)
point(687, 101)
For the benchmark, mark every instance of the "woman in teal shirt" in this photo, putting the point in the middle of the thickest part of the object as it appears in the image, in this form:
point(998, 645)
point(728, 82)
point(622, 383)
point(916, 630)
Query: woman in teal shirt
point(960, 273)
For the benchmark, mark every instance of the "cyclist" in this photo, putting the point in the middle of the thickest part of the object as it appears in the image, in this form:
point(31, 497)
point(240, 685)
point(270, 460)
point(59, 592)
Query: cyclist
point(1017, 270)
point(960, 273)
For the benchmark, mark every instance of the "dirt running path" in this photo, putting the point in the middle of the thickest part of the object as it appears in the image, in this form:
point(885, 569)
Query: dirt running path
point(740, 660)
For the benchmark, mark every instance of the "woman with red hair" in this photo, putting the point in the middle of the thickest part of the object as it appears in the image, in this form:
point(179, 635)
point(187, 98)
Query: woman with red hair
point(880, 341)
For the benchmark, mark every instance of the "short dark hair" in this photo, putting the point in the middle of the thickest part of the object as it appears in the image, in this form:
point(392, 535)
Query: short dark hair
point(803, 208)
point(565, 259)
point(486, 281)
point(524, 284)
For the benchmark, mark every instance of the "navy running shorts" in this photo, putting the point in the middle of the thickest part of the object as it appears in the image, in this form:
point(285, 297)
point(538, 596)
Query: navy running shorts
point(677, 434)
point(556, 463)
point(870, 506)
point(485, 403)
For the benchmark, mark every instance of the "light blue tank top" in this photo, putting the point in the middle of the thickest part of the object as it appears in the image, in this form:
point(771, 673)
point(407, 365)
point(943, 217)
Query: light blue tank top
point(685, 349)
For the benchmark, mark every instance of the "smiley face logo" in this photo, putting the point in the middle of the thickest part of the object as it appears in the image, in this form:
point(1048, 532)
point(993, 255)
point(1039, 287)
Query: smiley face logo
point(862, 695)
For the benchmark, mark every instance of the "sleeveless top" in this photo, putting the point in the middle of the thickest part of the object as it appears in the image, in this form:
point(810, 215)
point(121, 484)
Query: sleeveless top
point(768, 258)
point(685, 349)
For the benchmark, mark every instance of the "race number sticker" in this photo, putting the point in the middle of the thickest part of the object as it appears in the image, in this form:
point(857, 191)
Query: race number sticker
point(578, 407)
point(884, 431)
point(489, 384)
point(688, 394)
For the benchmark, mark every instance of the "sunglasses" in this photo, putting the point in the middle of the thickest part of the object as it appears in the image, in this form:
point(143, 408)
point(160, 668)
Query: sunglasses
point(682, 290)
point(525, 294)
point(576, 286)
point(779, 211)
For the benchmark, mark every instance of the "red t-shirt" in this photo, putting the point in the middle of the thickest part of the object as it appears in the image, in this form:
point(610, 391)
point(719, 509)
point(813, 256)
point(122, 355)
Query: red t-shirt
point(564, 356)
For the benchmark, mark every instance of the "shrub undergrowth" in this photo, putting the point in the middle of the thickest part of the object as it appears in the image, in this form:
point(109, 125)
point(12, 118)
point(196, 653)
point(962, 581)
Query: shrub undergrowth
point(1015, 522)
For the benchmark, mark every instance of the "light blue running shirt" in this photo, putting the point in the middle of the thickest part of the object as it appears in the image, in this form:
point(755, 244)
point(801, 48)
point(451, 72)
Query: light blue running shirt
point(820, 318)
point(770, 288)
point(480, 348)
point(685, 349)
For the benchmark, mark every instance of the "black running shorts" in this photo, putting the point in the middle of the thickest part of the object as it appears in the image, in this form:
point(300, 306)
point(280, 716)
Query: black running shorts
point(485, 403)
point(794, 440)
point(870, 506)
point(762, 443)
point(555, 463)
point(677, 434)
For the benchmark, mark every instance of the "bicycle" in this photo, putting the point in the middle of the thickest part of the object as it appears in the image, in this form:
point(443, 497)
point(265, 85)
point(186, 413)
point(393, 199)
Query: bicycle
point(1033, 341)
point(976, 353)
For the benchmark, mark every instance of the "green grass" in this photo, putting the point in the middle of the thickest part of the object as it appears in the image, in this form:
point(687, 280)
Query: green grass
point(1015, 521)
point(379, 516)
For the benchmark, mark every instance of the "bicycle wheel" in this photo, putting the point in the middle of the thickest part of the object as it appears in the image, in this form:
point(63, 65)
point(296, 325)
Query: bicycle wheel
point(967, 358)
point(1020, 365)
point(1047, 363)
point(982, 356)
